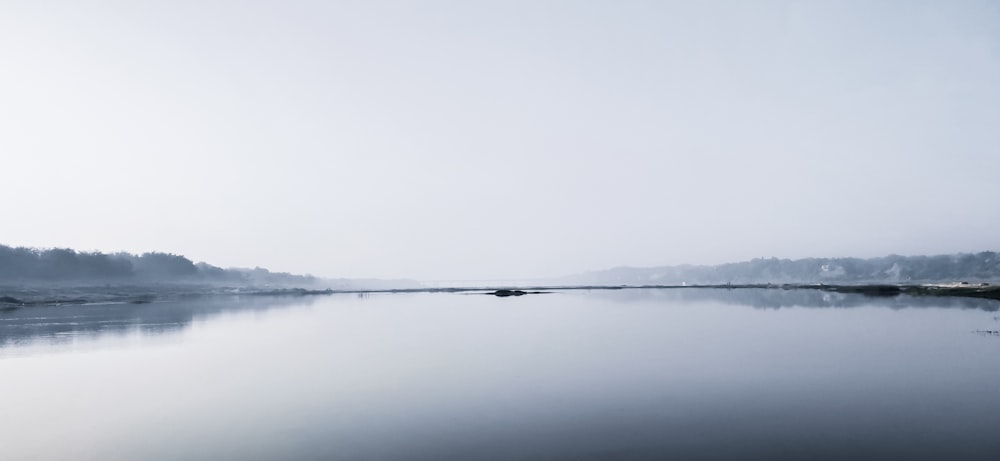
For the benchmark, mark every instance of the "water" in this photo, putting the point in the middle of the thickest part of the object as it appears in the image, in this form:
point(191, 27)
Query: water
point(623, 374)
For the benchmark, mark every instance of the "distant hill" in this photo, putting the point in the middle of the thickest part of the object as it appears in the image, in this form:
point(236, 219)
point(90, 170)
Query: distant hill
point(21, 265)
point(978, 267)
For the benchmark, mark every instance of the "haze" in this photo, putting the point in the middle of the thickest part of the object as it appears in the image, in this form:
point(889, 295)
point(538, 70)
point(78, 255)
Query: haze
point(473, 140)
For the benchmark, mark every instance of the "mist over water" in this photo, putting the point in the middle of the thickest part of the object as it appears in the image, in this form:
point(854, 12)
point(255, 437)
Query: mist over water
point(621, 374)
point(180, 180)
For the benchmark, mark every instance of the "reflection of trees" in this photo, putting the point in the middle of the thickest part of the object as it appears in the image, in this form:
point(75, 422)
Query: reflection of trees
point(64, 323)
point(776, 298)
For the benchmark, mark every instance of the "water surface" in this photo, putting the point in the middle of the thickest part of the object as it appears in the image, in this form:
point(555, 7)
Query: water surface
point(623, 374)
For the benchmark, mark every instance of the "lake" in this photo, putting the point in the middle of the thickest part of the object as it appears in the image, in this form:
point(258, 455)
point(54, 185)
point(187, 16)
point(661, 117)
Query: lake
point(570, 375)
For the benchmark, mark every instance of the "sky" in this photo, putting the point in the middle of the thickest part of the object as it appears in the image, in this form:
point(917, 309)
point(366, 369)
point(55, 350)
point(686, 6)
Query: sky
point(466, 140)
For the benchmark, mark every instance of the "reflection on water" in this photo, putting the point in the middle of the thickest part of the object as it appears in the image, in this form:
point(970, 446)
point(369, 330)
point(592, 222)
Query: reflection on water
point(623, 374)
point(68, 323)
point(780, 298)
point(56, 324)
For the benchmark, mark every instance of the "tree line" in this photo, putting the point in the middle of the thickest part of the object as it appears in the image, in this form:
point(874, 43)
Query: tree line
point(22, 264)
point(971, 267)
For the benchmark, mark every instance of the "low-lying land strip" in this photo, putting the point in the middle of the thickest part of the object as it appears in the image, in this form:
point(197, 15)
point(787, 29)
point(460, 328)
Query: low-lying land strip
point(16, 297)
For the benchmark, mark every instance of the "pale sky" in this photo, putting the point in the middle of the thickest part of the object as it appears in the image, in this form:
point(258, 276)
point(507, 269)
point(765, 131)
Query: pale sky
point(504, 139)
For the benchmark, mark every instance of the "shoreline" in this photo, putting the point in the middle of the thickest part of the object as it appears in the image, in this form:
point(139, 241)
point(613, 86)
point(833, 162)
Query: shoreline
point(20, 297)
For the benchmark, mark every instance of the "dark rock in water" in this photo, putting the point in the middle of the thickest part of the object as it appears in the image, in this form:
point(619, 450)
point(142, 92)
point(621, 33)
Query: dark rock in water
point(868, 290)
point(10, 300)
point(505, 293)
point(142, 299)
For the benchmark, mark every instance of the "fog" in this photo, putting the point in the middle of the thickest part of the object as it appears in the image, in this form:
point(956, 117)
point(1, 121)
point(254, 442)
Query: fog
point(482, 140)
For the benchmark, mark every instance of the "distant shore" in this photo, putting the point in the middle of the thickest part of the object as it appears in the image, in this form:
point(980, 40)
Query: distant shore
point(18, 297)
point(961, 290)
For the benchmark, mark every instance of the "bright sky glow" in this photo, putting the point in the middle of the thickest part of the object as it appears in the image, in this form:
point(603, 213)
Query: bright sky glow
point(505, 139)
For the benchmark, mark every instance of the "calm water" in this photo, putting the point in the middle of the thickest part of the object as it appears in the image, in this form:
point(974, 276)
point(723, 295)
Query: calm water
point(625, 374)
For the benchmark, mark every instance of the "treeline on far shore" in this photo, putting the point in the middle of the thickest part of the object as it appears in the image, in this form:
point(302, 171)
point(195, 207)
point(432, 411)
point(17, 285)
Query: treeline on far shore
point(893, 269)
point(26, 265)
